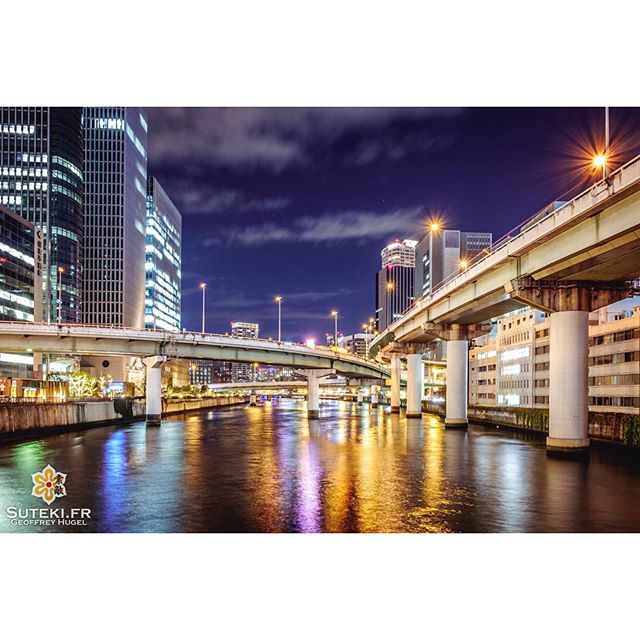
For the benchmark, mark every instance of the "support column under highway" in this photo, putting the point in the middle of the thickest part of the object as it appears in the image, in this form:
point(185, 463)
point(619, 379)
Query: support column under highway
point(154, 389)
point(457, 381)
point(313, 397)
point(415, 385)
point(568, 380)
point(569, 303)
point(313, 389)
point(395, 383)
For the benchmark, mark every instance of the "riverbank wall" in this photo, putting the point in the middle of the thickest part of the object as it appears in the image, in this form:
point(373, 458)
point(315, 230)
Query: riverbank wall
point(620, 428)
point(35, 419)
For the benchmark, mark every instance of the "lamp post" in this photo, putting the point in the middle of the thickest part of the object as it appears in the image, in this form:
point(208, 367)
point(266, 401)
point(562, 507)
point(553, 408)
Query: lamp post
point(60, 272)
point(279, 301)
point(334, 313)
point(600, 159)
point(203, 286)
point(389, 289)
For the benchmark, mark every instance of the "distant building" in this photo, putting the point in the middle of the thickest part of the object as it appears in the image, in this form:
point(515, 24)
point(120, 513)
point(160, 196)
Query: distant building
point(21, 273)
point(209, 372)
point(240, 371)
point(42, 180)
point(163, 260)
point(395, 281)
point(356, 343)
point(438, 256)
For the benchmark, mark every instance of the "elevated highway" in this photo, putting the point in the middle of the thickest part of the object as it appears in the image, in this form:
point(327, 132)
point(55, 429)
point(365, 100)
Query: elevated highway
point(156, 347)
point(578, 258)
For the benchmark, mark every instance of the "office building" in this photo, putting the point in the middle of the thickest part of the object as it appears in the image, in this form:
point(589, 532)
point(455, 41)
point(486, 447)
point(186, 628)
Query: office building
point(439, 255)
point(21, 274)
point(163, 260)
point(115, 159)
point(395, 281)
point(511, 368)
point(42, 180)
point(240, 371)
point(115, 215)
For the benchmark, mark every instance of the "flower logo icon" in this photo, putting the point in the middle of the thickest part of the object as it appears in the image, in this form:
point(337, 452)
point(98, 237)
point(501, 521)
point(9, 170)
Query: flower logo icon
point(48, 484)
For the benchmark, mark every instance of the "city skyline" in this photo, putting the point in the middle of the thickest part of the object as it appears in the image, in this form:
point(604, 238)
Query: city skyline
point(356, 179)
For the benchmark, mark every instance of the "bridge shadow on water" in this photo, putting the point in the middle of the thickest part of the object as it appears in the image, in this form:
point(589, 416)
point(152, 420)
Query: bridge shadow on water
point(355, 469)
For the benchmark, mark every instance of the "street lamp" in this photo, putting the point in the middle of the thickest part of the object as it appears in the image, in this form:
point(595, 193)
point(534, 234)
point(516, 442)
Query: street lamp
point(279, 301)
point(600, 159)
point(389, 288)
point(334, 313)
point(60, 272)
point(203, 286)
point(463, 264)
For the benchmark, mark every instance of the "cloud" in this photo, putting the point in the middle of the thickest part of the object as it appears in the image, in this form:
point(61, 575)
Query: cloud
point(202, 199)
point(278, 137)
point(329, 228)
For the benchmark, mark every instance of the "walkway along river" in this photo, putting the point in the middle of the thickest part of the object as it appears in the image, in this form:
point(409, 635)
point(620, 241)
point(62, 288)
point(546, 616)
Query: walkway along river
point(270, 469)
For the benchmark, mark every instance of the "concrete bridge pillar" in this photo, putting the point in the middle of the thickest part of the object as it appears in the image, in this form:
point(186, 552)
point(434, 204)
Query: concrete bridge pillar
point(415, 385)
point(568, 303)
point(360, 396)
point(154, 389)
point(568, 380)
point(313, 389)
point(374, 397)
point(253, 399)
point(313, 396)
point(457, 380)
point(395, 383)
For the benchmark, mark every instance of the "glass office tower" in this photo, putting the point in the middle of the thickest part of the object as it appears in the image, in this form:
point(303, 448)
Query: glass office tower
point(21, 271)
point(163, 254)
point(41, 179)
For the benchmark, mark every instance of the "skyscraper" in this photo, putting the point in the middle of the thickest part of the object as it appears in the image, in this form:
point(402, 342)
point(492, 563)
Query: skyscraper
point(163, 268)
point(115, 215)
point(395, 281)
point(21, 271)
point(240, 371)
point(41, 179)
point(439, 254)
point(115, 155)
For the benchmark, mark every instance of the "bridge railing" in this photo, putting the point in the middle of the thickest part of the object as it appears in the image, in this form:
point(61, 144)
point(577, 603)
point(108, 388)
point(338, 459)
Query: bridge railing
point(543, 226)
point(184, 335)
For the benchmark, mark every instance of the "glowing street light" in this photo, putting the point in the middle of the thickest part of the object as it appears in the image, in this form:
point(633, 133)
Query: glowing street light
point(464, 264)
point(279, 301)
point(203, 286)
point(334, 313)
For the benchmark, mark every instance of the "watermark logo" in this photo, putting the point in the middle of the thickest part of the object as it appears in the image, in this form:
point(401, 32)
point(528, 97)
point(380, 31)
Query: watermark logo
point(48, 484)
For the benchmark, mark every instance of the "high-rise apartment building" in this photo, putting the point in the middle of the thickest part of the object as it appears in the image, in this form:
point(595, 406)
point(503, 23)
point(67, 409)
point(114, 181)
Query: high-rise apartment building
point(439, 254)
point(115, 154)
point(42, 180)
point(163, 260)
point(240, 371)
point(21, 272)
point(395, 281)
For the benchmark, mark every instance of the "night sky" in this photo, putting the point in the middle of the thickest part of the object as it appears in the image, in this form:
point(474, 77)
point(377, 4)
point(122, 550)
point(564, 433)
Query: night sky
point(299, 202)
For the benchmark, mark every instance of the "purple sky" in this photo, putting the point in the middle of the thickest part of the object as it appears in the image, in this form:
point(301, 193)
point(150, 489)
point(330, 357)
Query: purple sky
point(299, 202)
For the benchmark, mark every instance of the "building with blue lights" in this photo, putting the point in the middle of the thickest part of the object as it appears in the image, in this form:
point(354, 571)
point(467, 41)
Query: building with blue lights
point(42, 180)
point(163, 260)
point(21, 273)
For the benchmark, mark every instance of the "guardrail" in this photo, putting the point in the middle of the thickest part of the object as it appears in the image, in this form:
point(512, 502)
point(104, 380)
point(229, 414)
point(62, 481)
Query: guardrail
point(185, 336)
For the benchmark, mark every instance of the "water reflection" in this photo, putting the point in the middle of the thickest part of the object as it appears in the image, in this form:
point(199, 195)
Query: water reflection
point(267, 469)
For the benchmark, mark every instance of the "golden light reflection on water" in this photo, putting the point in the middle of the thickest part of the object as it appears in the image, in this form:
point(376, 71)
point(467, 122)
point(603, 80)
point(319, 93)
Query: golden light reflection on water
point(270, 468)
